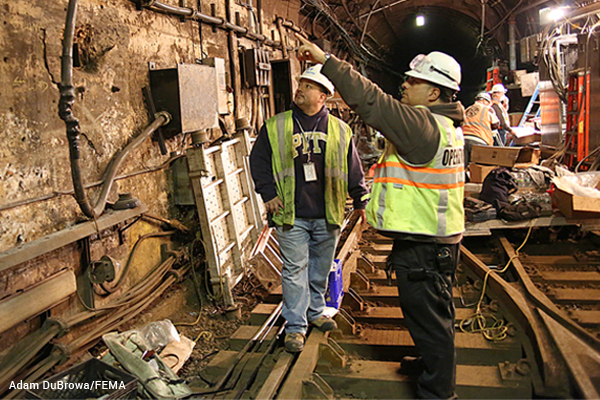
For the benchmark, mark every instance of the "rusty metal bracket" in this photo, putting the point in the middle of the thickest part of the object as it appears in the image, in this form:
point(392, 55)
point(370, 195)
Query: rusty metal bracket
point(365, 265)
point(331, 356)
point(353, 301)
point(316, 388)
point(359, 280)
point(167, 251)
point(515, 374)
point(346, 324)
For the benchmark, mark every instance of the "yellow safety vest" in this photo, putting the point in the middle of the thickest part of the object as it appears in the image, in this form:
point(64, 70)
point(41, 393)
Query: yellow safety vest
point(424, 200)
point(280, 130)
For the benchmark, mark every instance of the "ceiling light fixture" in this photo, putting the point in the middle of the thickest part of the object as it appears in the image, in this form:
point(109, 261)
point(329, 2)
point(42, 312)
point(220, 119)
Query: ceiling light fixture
point(420, 20)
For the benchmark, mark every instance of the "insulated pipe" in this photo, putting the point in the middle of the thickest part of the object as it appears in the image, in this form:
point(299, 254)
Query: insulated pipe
point(234, 67)
point(65, 111)
point(512, 43)
point(162, 118)
point(482, 18)
point(65, 108)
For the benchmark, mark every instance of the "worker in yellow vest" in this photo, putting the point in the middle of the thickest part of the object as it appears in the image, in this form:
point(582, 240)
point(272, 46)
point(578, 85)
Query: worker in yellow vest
point(416, 198)
point(304, 165)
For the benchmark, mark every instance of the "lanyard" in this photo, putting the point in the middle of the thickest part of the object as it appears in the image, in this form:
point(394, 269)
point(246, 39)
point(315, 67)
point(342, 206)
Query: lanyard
point(305, 138)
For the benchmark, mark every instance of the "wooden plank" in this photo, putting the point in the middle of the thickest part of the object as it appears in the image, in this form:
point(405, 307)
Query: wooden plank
point(376, 379)
point(485, 228)
point(579, 295)
point(585, 317)
point(371, 315)
point(30, 250)
point(392, 345)
point(271, 385)
point(571, 276)
point(303, 368)
point(36, 299)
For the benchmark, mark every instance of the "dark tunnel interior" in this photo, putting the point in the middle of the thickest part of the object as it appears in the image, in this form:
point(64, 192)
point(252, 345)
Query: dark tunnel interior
point(445, 30)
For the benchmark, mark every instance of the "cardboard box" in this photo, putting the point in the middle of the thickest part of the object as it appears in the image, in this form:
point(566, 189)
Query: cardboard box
point(479, 172)
point(536, 137)
point(504, 156)
point(572, 206)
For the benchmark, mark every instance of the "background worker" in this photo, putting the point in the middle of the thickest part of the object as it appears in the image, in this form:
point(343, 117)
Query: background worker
point(479, 124)
point(417, 197)
point(304, 164)
point(505, 132)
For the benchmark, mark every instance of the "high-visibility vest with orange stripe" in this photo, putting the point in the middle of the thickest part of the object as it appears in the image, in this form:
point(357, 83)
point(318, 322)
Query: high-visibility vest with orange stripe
point(478, 123)
point(421, 199)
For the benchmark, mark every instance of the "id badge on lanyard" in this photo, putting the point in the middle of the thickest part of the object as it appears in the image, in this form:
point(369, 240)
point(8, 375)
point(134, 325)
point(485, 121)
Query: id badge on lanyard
point(310, 173)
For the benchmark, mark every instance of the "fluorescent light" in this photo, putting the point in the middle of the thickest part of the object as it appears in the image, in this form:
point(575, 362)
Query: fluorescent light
point(557, 13)
point(548, 15)
point(420, 20)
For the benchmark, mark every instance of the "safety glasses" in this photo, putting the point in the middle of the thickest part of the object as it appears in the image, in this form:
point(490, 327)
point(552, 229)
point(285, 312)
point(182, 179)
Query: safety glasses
point(420, 62)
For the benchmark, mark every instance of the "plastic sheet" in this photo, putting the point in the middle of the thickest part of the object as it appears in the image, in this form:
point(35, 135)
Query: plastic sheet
point(582, 184)
point(158, 334)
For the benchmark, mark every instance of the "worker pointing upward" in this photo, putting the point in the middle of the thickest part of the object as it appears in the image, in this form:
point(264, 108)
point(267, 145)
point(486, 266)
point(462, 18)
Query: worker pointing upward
point(416, 198)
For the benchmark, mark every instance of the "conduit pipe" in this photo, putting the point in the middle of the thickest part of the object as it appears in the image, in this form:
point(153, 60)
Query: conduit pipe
point(219, 22)
point(65, 111)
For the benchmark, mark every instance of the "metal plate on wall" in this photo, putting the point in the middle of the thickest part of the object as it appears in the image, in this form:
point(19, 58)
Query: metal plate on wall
point(198, 97)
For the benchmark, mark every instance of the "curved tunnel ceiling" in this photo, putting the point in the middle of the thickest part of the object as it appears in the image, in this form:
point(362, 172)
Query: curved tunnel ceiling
point(452, 26)
point(451, 32)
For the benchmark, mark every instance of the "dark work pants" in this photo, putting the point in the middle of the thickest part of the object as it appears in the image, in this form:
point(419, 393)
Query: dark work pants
point(425, 292)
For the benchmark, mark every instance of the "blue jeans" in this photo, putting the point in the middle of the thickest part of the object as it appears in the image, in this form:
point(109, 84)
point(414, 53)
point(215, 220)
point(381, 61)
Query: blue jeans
point(307, 249)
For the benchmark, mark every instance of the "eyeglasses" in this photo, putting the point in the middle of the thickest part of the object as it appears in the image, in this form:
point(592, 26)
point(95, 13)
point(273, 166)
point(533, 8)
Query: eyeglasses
point(420, 61)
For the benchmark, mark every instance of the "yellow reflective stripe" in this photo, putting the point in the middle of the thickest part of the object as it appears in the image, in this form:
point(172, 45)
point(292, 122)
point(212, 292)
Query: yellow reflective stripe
point(336, 173)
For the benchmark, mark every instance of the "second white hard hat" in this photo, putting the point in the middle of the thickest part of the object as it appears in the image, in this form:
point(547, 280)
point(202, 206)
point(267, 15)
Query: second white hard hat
point(498, 88)
point(483, 96)
point(438, 68)
point(314, 74)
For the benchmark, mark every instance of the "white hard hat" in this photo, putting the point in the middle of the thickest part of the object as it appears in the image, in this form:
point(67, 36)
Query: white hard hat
point(436, 67)
point(314, 74)
point(483, 96)
point(498, 88)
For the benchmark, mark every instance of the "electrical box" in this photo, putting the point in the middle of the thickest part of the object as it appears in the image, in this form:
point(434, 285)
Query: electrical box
point(257, 69)
point(222, 96)
point(189, 94)
point(530, 48)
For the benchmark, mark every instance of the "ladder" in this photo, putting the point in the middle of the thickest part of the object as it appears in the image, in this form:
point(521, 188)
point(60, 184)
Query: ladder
point(228, 209)
point(492, 77)
point(577, 135)
point(533, 101)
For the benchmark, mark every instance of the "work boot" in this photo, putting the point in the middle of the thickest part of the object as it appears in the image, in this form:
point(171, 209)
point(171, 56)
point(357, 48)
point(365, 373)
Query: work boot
point(294, 342)
point(411, 366)
point(324, 324)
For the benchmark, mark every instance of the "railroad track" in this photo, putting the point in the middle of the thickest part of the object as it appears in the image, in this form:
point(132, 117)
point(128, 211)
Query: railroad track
point(540, 352)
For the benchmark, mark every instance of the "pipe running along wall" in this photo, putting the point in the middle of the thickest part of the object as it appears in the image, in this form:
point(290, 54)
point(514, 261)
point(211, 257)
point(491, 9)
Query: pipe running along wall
point(220, 22)
point(65, 111)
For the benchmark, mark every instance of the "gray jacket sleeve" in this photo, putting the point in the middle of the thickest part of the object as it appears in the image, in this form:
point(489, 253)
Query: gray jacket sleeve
point(412, 130)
